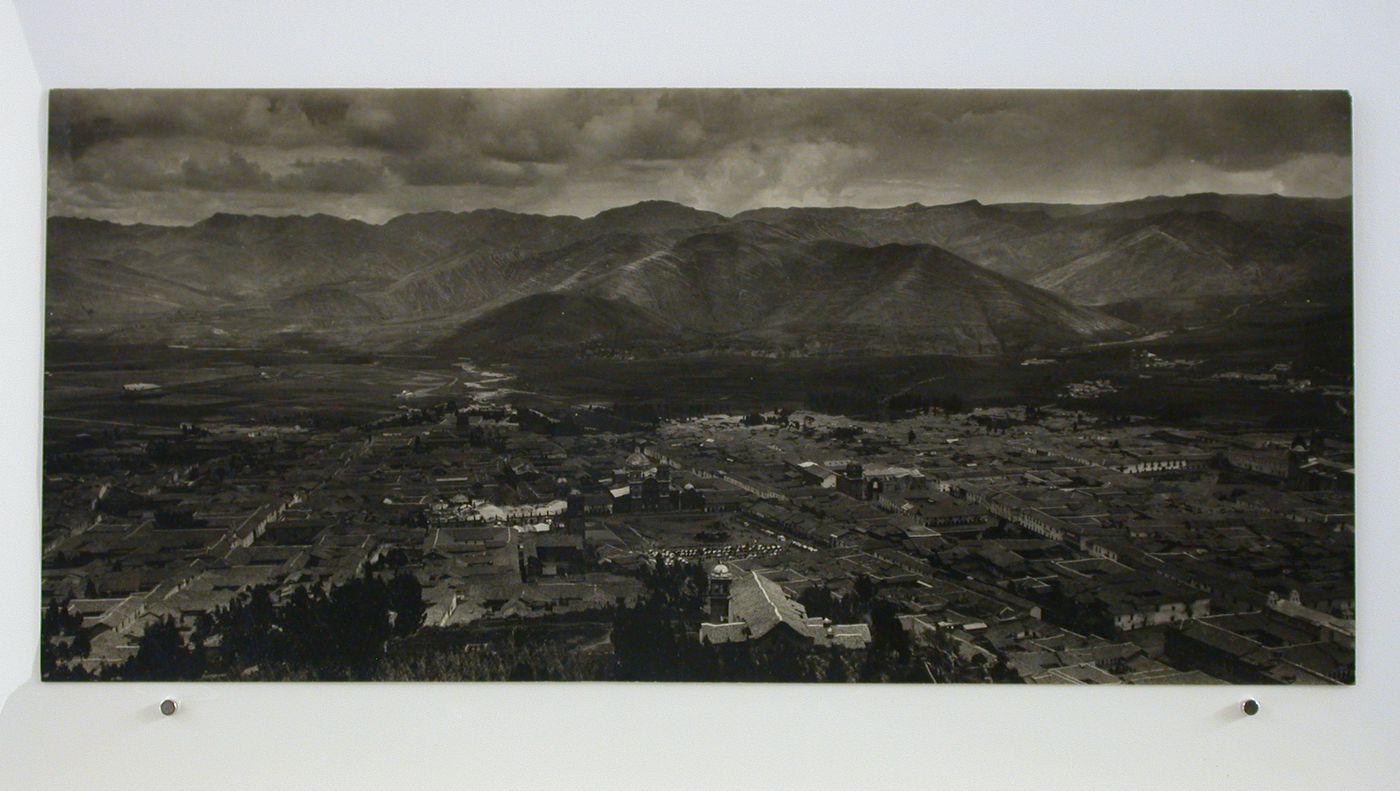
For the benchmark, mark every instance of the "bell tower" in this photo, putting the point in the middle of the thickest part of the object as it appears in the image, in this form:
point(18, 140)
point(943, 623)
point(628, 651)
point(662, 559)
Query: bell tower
point(717, 593)
point(574, 513)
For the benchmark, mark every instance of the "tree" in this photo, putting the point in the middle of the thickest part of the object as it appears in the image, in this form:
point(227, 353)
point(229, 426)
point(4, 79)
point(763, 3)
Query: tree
point(358, 624)
point(81, 647)
point(406, 602)
point(864, 589)
point(161, 655)
point(886, 632)
point(174, 519)
point(836, 669)
point(54, 620)
point(817, 601)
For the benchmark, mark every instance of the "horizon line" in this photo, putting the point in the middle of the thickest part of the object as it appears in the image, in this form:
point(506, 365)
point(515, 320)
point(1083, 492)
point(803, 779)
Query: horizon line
point(1348, 196)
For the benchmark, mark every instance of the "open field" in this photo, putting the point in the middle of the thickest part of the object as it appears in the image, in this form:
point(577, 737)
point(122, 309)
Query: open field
point(866, 385)
point(84, 383)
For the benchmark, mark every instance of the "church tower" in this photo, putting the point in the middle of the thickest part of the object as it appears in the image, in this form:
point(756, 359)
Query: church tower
point(1299, 453)
point(574, 513)
point(717, 594)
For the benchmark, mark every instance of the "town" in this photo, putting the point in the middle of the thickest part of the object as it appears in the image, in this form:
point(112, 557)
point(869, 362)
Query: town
point(460, 534)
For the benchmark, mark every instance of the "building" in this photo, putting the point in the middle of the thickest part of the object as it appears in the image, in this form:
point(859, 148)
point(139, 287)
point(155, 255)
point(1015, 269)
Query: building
point(641, 485)
point(1310, 470)
point(717, 593)
point(853, 482)
point(141, 390)
point(748, 607)
point(815, 474)
point(1266, 462)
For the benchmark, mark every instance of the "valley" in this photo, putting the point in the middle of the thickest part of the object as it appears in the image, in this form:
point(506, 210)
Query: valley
point(1116, 428)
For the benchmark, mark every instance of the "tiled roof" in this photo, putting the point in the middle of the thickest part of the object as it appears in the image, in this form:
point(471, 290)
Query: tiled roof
point(713, 633)
point(761, 603)
point(757, 605)
point(846, 635)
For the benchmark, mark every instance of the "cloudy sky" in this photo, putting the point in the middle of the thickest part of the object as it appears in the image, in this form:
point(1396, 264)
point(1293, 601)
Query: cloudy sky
point(175, 157)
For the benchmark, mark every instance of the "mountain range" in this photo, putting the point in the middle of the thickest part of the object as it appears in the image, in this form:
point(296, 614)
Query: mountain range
point(660, 277)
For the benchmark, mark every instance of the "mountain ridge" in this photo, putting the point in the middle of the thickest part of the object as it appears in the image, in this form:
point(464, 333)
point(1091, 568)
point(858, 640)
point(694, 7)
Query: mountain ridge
point(808, 278)
point(1340, 205)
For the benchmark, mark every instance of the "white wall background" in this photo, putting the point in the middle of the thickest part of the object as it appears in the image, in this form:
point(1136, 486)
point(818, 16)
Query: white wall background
point(623, 736)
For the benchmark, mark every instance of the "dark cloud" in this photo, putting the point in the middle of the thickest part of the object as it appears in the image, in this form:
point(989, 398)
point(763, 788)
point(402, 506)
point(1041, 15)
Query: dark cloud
point(1234, 130)
point(579, 151)
point(438, 169)
point(132, 173)
point(324, 110)
point(404, 121)
point(82, 119)
point(76, 137)
point(528, 144)
point(232, 174)
point(337, 175)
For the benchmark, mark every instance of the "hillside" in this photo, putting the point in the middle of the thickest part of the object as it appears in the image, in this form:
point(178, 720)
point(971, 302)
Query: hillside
point(96, 290)
point(1206, 254)
point(1152, 248)
point(554, 322)
point(754, 288)
point(964, 278)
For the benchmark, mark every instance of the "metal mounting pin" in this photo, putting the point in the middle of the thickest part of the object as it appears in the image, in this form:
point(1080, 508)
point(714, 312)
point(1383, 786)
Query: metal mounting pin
point(1250, 707)
point(167, 707)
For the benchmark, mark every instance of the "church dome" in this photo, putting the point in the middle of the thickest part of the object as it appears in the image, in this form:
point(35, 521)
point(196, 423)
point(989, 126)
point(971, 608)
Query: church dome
point(720, 570)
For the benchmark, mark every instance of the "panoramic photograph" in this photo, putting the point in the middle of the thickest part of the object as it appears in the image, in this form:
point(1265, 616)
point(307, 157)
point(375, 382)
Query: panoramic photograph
point(914, 386)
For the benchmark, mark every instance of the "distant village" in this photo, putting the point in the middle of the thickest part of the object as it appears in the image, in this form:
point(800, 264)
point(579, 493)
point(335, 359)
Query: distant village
point(1046, 543)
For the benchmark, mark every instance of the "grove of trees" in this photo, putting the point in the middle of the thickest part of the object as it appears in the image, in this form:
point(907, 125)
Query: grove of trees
point(340, 633)
point(369, 628)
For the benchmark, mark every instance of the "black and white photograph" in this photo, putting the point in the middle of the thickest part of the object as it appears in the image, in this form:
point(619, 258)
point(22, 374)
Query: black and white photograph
point(736, 385)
